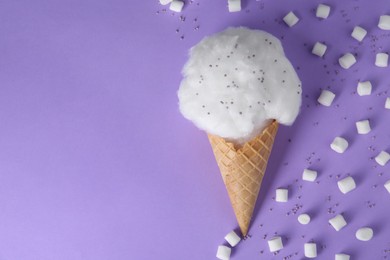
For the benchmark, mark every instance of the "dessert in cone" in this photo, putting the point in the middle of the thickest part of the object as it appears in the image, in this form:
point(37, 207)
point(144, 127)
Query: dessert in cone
point(243, 170)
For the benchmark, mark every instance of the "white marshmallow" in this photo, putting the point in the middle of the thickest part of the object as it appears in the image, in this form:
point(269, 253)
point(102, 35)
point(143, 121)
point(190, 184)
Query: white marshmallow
point(309, 175)
point(384, 22)
point(339, 145)
point(387, 103)
point(310, 250)
point(290, 19)
point(346, 185)
point(347, 60)
point(338, 222)
point(304, 219)
point(364, 88)
point(176, 6)
point(326, 98)
point(165, 2)
point(232, 238)
point(387, 186)
point(382, 60)
point(359, 33)
point(341, 257)
point(323, 11)
point(364, 234)
point(281, 195)
point(224, 252)
point(275, 244)
point(382, 158)
point(234, 5)
point(319, 49)
point(363, 127)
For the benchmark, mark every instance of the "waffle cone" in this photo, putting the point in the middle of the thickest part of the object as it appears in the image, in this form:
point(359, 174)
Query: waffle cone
point(243, 170)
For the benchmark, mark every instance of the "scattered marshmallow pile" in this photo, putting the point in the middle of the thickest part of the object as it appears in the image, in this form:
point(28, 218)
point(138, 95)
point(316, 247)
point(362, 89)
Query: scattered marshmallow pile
point(224, 252)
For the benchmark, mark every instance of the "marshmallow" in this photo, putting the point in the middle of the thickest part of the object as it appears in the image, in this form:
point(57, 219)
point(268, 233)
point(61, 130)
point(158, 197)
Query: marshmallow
point(364, 234)
point(311, 250)
point(234, 5)
point(346, 185)
point(387, 104)
point(338, 222)
point(339, 144)
point(387, 186)
point(319, 49)
point(309, 175)
point(364, 88)
point(326, 98)
point(323, 11)
point(281, 195)
point(341, 257)
point(290, 19)
point(224, 252)
point(176, 6)
point(359, 33)
point(165, 2)
point(275, 244)
point(382, 158)
point(363, 127)
point(232, 238)
point(384, 22)
point(382, 60)
point(304, 219)
point(347, 60)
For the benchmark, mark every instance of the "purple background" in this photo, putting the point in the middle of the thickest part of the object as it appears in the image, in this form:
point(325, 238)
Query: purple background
point(96, 161)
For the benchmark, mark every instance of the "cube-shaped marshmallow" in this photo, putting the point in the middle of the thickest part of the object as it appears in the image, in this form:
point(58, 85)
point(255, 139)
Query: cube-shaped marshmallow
point(382, 158)
point(232, 238)
point(304, 219)
point(310, 250)
point(347, 60)
point(290, 19)
point(387, 103)
point(165, 2)
point(309, 175)
point(359, 33)
point(363, 127)
point(346, 185)
point(364, 234)
point(342, 257)
point(338, 222)
point(364, 88)
point(326, 98)
point(387, 186)
point(339, 144)
point(319, 49)
point(224, 252)
point(382, 60)
point(323, 11)
point(275, 244)
point(234, 5)
point(176, 6)
point(384, 22)
point(281, 195)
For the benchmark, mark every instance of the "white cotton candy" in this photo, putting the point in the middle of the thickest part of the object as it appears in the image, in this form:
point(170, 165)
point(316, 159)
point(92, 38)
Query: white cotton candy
point(290, 19)
point(326, 98)
point(346, 185)
point(234, 5)
point(338, 222)
point(223, 252)
point(165, 2)
point(319, 49)
point(387, 186)
point(176, 6)
point(236, 81)
point(342, 257)
point(364, 88)
point(339, 144)
point(382, 60)
point(359, 33)
point(347, 60)
point(382, 158)
point(281, 195)
point(364, 234)
point(304, 219)
point(323, 11)
point(232, 238)
point(384, 22)
point(387, 103)
point(309, 175)
point(310, 250)
point(275, 244)
point(363, 127)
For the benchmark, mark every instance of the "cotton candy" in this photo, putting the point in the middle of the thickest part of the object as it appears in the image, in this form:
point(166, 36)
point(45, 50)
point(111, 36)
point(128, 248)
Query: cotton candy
point(236, 81)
